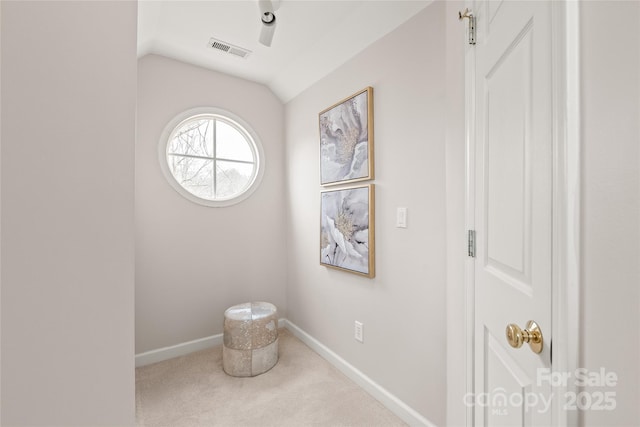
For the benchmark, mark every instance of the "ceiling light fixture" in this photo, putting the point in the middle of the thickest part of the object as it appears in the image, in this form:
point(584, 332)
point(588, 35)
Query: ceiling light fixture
point(268, 19)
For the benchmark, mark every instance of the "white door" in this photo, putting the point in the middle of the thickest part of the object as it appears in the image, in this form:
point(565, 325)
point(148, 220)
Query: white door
point(513, 209)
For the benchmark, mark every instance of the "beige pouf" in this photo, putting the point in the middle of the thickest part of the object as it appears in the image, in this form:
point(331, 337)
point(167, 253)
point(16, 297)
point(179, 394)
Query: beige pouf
point(250, 345)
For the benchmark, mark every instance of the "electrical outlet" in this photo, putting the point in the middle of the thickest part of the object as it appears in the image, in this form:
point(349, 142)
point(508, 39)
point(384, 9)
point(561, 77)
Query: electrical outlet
point(359, 332)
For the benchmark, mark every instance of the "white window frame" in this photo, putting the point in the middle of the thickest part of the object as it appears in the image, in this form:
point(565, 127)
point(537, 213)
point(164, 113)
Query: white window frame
point(223, 115)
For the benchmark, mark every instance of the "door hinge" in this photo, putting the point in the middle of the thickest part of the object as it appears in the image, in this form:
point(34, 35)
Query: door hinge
point(472, 24)
point(471, 243)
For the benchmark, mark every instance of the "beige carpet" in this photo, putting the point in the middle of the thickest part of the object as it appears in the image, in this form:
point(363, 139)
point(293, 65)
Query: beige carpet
point(301, 390)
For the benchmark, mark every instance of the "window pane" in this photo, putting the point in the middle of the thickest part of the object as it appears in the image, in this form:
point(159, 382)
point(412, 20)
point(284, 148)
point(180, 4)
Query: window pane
point(232, 178)
point(194, 138)
point(231, 144)
point(195, 175)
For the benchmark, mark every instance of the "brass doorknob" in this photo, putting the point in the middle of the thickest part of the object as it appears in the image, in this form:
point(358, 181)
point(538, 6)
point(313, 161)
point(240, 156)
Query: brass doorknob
point(532, 335)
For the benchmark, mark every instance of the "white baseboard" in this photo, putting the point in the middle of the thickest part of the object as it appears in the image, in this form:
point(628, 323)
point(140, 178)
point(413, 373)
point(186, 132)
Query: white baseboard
point(395, 405)
point(165, 353)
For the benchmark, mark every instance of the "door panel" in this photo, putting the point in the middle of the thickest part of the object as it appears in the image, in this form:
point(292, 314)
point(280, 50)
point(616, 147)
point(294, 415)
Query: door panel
point(513, 208)
point(508, 386)
point(507, 186)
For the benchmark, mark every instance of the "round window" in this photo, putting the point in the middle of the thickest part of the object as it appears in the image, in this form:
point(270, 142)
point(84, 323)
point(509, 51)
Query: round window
point(211, 157)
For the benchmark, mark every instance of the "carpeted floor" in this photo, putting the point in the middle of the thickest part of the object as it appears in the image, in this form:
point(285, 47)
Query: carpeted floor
point(301, 390)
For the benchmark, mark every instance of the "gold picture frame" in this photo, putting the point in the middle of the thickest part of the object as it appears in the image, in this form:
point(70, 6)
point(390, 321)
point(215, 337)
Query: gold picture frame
point(346, 140)
point(347, 229)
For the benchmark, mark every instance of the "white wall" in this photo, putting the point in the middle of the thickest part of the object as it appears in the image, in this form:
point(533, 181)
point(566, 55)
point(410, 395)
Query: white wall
point(68, 128)
point(193, 262)
point(403, 308)
point(610, 54)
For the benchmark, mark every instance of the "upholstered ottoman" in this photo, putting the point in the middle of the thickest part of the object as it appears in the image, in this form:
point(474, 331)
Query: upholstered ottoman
point(250, 345)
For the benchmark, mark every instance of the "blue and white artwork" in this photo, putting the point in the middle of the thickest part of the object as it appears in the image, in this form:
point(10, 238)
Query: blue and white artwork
point(346, 229)
point(346, 140)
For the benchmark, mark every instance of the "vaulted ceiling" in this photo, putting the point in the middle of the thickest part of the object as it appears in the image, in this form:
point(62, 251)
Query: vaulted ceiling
point(312, 37)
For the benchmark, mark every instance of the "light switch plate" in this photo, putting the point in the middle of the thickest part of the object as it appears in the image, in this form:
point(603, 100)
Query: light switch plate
point(359, 331)
point(401, 218)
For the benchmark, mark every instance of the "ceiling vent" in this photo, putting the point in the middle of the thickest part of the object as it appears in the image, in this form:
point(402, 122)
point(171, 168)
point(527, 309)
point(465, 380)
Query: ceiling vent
point(228, 48)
